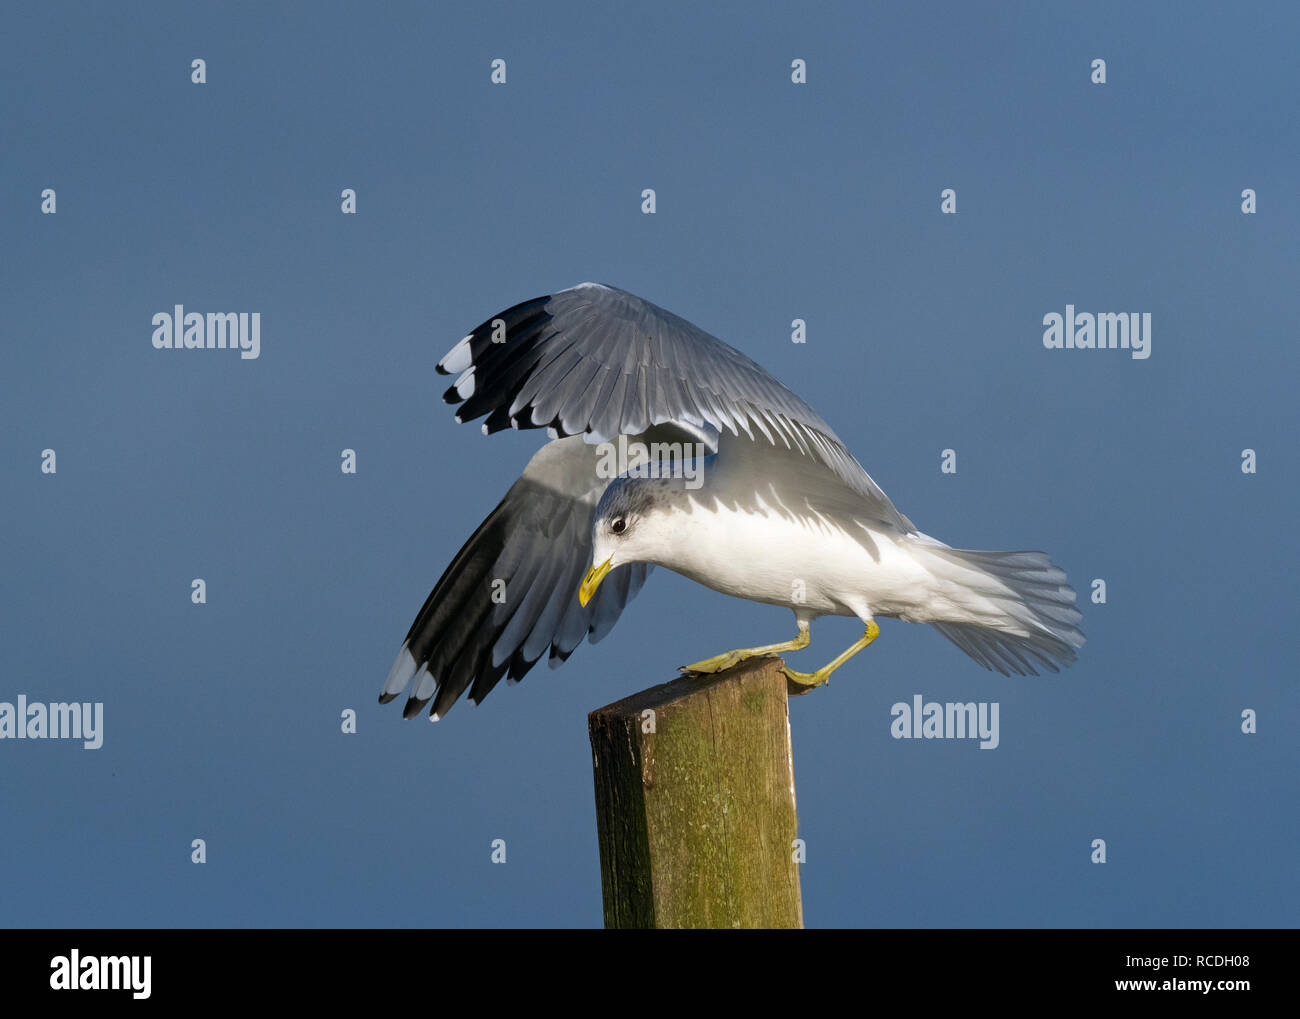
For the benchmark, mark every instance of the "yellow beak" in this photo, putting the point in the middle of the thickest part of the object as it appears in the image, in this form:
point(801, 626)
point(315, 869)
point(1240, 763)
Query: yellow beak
point(592, 581)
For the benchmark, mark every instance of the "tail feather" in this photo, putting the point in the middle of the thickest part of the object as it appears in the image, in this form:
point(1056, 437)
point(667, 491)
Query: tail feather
point(1028, 620)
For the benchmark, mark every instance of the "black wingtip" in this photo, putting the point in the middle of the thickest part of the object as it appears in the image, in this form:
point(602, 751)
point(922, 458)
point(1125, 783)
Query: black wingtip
point(413, 707)
point(384, 698)
point(497, 421)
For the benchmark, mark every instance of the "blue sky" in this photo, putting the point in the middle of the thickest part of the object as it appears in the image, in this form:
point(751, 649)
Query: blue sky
point(775, 202)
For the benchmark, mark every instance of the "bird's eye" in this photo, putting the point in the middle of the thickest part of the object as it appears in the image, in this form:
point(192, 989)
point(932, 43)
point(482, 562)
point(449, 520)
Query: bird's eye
point(618, 526)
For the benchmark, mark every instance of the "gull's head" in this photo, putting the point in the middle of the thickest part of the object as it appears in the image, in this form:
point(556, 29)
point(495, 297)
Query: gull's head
point(630, 526)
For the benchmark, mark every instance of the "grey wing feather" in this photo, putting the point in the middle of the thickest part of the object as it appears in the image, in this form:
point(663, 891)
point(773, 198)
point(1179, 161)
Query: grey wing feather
point(598, 361)
point(537, 543)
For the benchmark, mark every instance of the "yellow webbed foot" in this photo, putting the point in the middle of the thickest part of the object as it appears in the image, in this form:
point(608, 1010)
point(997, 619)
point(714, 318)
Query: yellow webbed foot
point(719, 663)
point(724, 661)
point(807, 679)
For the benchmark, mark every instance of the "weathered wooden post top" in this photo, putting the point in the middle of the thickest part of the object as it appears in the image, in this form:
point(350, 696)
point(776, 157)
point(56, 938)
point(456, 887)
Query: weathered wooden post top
point(695, 805)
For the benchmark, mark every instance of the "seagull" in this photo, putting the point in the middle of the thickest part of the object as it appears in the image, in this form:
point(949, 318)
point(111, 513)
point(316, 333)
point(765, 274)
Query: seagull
point(729, 479)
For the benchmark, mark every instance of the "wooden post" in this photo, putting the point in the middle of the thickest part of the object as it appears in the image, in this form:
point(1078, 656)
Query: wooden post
point(695, 803)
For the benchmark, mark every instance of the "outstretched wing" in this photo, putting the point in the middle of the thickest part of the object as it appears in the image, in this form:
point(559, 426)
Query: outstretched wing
point(512, 590)
point(589, 363)
point(599, 361)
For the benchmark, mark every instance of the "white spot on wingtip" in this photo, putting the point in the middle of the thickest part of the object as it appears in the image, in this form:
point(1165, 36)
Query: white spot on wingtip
point(434, 716)
point(485, 429)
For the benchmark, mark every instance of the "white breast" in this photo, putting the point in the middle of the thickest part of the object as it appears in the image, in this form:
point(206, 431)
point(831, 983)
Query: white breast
point(794, 557)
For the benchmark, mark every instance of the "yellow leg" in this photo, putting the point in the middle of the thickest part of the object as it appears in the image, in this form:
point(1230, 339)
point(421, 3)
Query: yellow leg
point(719, 663)
point(824, 673)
